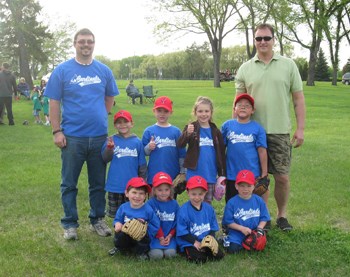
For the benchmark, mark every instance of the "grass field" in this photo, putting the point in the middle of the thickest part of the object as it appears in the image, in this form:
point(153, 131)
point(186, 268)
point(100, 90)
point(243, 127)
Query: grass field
point(31, 242)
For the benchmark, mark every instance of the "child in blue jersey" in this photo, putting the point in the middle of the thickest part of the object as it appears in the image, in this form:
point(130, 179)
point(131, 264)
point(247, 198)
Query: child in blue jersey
point(245, 141)
point(206, 150)
point(125, 152)
point(163, 245)
point(244, 212)
point(159, 141)
point(195, 220)
point(136, 191)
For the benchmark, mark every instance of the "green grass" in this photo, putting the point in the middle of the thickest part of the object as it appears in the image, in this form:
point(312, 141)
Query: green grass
point(31, 242)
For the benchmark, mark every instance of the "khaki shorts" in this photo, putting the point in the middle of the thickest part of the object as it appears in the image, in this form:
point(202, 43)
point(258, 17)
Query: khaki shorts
point(279, 151)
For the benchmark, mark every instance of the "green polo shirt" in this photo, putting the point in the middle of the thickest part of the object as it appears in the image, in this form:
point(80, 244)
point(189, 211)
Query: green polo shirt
point(271, 86)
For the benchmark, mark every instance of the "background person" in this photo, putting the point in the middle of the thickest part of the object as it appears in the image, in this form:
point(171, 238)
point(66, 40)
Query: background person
point(85, 88)
point(274, 80)
point(133, 92)
point(23, 88)
point(8, 87)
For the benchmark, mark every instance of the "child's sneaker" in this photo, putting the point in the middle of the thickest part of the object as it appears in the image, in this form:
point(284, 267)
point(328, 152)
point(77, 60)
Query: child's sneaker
point(47, 123)
point(113, 251)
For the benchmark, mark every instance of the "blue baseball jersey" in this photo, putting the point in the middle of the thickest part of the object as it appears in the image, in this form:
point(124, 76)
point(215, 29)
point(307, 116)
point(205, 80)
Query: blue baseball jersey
point(195, 222)
point(206, 166)
point(242, 141)
point(165, 157)
point(125, 213)
point(82, 89)
point(246, 212)
point(128, 156)
point(166, 212)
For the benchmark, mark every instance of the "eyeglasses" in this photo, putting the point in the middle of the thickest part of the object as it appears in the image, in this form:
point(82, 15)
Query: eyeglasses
point(267, 38)
point(83, 41)
point(246, 106)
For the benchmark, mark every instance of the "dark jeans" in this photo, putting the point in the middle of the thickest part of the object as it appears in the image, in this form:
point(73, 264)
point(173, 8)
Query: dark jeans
point(74, 155)
point(125, 243)
point(230, 190)
point(7, 102)
point(134, 96)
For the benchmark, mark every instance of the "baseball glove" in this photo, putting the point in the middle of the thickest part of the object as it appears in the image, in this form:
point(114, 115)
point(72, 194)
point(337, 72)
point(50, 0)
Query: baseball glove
point(256, 240)
point(179, 183)
point(210, 242)
point(135, 228)
point(261, 185)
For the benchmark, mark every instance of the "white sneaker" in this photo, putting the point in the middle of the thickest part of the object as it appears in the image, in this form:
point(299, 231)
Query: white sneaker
point(70, 234)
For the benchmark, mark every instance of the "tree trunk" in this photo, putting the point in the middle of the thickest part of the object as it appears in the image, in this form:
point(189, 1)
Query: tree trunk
point(335, 75)
point(216, 60)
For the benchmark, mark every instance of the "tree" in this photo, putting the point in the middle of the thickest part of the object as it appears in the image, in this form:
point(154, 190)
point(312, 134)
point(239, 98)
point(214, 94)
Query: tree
point(321, 68)
point(210, 17)
point(303, 67)
point(22, 35)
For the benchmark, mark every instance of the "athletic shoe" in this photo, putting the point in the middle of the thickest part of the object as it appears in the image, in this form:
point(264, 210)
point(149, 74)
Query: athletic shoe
point(267, 226)
point(143, 257)
point(101, 228)
point(283, 224)
point(113, 251)
point(70, 234)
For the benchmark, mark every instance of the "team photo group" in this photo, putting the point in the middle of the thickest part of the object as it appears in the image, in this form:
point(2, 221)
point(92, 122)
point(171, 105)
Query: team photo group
point(233, 162)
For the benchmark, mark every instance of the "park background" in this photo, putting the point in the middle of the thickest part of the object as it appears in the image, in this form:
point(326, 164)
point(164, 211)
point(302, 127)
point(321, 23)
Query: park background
point(31, 240)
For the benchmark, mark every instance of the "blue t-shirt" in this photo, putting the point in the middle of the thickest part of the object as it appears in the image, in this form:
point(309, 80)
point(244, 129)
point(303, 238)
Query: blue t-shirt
point(195, 222)
point(128, 156)
point(242, 141)
point(166, 212)
point(82, 90)
point(165, 157)
point(125, 213)
point(206, 166)
point(245, 212)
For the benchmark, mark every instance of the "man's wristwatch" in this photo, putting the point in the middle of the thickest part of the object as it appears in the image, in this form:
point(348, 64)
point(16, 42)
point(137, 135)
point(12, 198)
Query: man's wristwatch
point(56, 131)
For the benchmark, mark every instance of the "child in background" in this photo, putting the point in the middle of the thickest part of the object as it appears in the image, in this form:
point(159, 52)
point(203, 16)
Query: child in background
point(244, 212)
point(159, 141)
point(245, 141)
point(136, 191)
point(23, 88)
point(36, 105)
point(164, 243)
point(195, 220)
point(125, 152)
point(45, 102)
point(206, 150)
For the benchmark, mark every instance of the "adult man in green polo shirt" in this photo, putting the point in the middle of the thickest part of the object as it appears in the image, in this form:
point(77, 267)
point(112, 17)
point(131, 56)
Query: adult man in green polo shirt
point(274, 80)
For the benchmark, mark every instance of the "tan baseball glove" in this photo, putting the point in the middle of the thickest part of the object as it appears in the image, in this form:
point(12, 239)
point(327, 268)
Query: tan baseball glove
point(210, 242)
point(135, 228)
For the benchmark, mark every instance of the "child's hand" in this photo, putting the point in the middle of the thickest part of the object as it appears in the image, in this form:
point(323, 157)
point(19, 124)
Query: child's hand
point(163, 241)
point(152, 144)
point(110, 143)
point(190, 129)
point(245, 230)
point(118, 227)
point(167, 239)
point(197, 245)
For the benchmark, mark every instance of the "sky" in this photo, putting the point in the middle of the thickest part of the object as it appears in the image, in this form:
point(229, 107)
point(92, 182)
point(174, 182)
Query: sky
point(122, 30)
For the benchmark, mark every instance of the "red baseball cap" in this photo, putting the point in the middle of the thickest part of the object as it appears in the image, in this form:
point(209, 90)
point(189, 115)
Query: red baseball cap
point(245, 96)
point(197, 182)
point(245, 176)
point(161, 178)
point(163, 102)
point(138, 182)
point(123, 114)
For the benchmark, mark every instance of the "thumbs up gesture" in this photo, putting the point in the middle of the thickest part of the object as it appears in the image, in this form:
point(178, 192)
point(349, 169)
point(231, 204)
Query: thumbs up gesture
point(152, 144)
point(190, 129)
point(110, 143)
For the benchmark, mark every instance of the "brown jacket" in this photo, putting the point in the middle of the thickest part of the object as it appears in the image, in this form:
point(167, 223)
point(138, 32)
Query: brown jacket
point(192, 154)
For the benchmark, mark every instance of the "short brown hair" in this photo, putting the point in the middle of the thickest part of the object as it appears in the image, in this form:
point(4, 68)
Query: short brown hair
point(84, 31)
point(265, 26)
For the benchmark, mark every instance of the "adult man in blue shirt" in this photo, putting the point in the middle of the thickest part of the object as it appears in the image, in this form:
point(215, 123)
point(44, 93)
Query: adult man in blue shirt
point(81, 92)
